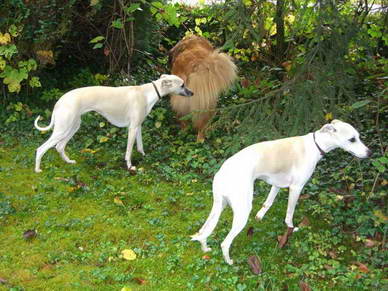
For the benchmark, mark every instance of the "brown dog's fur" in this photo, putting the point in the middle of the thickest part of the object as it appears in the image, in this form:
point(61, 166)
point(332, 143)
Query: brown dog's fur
point(207, 72)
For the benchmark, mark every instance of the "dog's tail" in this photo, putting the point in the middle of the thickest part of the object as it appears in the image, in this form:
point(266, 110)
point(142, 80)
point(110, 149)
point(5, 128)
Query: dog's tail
point(218, 205)
point(44, 128)
point(207, 77)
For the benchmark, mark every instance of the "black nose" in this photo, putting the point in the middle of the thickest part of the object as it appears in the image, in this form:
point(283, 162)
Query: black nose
point(368, 153)
point(188, 92)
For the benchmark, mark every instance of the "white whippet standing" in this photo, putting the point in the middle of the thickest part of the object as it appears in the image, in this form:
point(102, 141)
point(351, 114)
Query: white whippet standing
point(125, 106)
point(283, 163)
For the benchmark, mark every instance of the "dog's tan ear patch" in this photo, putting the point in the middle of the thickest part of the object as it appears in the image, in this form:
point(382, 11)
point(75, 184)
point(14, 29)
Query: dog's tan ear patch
point(166, 84)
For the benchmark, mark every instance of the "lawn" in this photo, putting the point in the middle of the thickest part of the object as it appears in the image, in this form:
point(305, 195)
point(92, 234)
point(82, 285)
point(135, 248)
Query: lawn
point(86, 214)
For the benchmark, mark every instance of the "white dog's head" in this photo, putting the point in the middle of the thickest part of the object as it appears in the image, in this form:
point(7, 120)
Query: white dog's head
point(346, 137)
point(171, 84)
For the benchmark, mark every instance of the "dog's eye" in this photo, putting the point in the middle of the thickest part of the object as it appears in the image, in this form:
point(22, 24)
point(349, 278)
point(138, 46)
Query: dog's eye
point(353, 139)
point(183, 85)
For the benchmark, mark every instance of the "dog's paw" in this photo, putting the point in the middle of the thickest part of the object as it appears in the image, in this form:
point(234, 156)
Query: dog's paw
point(229, 261)
point(295, 229)
point(260, 215)
point(71, 161)
point(132, 170)
point(142, 152)
point(38, 170)
point(206, 249)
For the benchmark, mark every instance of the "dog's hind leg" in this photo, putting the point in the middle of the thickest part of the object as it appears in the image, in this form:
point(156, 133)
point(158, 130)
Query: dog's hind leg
point(242, 206)
point(211, 222)
point(60, 147)
point(51, 142)
point(268, 203)
point(139, 142)
point(131, 140)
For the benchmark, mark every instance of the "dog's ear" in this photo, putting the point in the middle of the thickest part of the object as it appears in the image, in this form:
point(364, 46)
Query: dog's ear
point(334, 121)
point(163, 76)
point(328, 128)
point(166, 84)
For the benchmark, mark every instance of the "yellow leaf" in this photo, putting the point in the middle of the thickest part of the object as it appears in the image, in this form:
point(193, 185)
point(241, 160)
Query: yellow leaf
point(379, 214)
point(329, 116)
point(126, 289)
point(103, 139)
point(158, 124)
point(2, 63)
point(118, 201)
point(45, 56)
point(88, 151)
point(5, 38)
point(128, 254)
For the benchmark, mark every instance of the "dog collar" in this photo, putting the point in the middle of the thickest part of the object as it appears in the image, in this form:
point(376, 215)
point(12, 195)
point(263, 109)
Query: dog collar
point(156, 89)
point(319, 148)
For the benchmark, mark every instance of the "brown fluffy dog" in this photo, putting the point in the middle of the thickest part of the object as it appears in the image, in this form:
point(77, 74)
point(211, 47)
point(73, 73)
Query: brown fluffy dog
point(207, 72)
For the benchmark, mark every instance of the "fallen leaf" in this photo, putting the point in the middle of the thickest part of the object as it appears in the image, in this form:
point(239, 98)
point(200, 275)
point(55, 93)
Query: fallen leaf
point(333, 254)
point(250, 232)
point(255, 265)
point(328, 267)
point(118, 201)
point(87, 150)
point(62, 179)
point(369, 243)
point(30, 234)
point(284, 238)
point(126, 289)
point(304, 196)
point(304, 286)
point(362, 268)
point(206, 257)
point(140, 281)
point(305, 222)
point(128, 254)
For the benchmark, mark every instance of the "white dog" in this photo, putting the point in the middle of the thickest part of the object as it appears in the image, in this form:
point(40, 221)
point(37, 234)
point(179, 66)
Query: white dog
point(287, 162)
point(125, 106)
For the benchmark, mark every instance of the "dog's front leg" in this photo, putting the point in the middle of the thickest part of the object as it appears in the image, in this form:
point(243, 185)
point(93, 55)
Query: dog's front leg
point(139, 142)
point(268, 203)
point(131, 140)
point(294, 193)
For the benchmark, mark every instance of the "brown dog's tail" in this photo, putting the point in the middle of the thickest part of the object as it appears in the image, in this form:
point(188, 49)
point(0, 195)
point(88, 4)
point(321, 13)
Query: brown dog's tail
point(208, 78)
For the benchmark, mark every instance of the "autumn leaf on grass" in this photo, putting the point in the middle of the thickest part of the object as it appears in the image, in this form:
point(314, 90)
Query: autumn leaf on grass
point(126, 289)
point(3, 281)
point(140, 281)
point(88, 151)
point(305, 222)
point(362, 268)
point(128, 254)
point(284, 238)
point(250, 232)
point(369, 243)
point(118, 201)
point(255, 265)
point(304, 286)
point(30, 234)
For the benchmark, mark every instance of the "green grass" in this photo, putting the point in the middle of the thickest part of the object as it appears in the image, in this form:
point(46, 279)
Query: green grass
point(82, 231)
